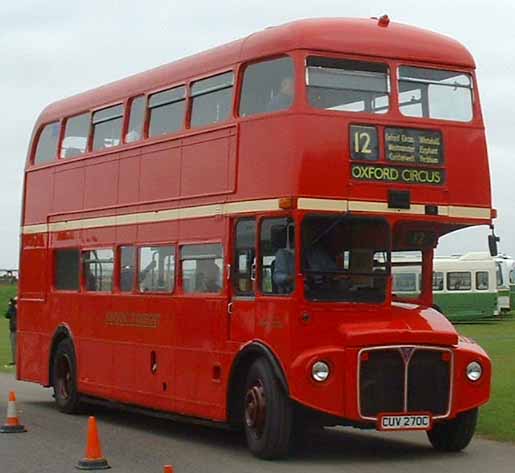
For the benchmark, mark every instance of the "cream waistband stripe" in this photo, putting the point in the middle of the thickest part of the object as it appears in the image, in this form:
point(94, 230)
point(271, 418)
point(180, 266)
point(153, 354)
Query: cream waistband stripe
point(229, 208)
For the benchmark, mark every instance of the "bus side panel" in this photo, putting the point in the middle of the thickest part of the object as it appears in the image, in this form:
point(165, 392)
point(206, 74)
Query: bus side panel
point(38, 195)
point(32, 309)
point(209, 176)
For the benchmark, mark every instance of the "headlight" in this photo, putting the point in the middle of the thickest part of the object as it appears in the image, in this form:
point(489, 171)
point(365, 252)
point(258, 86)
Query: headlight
point(474, 371)
point(320, 371)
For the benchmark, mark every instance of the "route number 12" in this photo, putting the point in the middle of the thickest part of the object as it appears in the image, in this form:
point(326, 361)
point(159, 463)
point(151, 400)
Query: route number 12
point(364, 142)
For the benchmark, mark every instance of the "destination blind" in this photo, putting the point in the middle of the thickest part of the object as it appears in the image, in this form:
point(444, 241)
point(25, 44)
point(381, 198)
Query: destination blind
point(408, 145)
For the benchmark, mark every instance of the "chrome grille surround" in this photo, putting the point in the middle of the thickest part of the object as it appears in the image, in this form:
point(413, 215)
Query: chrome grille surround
point(406, 352)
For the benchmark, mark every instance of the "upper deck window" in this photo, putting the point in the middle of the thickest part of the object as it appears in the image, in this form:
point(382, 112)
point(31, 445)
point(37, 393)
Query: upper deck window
point(107, 127)
point(347, 86)
point(136, 120)
point(432, 93)
point(268, 86)
point(46, 149)
point(212, 99)
point(167, 111)
point(76, 136)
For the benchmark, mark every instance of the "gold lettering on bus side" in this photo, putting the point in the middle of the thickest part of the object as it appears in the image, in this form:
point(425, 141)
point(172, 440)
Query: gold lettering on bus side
point(271, 324)
point(132, 319)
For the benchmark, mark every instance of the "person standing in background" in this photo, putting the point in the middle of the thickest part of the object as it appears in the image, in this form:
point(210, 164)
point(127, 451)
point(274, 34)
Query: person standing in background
point(11, 314)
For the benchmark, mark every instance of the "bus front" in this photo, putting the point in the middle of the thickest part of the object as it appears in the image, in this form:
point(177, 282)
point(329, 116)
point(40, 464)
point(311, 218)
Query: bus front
point(393, 158)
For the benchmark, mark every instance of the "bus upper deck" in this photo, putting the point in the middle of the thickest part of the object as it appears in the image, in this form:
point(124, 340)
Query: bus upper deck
point(378, 126)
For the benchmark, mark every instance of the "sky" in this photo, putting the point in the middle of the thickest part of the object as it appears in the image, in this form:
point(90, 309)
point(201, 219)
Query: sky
point(53, 49)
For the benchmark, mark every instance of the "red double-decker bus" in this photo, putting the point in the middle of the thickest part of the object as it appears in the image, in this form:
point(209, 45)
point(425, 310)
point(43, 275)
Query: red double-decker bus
point(216, 238)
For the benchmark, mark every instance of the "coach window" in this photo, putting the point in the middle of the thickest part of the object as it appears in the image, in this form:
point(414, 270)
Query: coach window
point(127, 268)
point(136, 120)
point(107, 127)
point(347, 86)
point(437, 281)
point(98, 270)
point(244, 273)
point(66, 273)
point(156, 269)
point(277, 247)
point(202, 268)
point(46, 149)
point(459, 281)
point(267, 87)
point(167, 111)
point(482, 280)
point(76, 136)
point(212, 99)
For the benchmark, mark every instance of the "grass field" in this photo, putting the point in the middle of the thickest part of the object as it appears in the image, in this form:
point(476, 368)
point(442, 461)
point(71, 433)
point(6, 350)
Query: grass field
point(497, 419)
point(6, 292)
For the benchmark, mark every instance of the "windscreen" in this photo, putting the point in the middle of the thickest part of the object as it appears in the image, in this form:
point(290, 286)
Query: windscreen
point(345, 258)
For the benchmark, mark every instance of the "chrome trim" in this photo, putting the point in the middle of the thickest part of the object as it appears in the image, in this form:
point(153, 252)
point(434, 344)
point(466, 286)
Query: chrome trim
point(406, 364)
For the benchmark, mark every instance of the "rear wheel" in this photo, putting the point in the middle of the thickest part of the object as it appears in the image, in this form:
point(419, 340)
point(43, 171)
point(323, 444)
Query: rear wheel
point(267, 413)
point(454, 435)
point(64, 375)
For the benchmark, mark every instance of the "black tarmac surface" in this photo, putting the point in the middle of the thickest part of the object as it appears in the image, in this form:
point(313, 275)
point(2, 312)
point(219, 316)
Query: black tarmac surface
point(134, 443)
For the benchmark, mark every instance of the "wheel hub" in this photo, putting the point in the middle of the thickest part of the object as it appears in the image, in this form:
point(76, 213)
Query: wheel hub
point(255, 408)
point(64, 377)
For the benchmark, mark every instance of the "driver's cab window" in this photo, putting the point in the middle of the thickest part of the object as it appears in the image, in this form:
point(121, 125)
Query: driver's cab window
point(156, 269)
point(345, 258)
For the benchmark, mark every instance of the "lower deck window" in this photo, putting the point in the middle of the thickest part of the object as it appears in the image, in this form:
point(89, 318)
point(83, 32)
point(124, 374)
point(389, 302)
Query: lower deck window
point(156, 269)
point(202, 268)
point(98, 270)
point(66, 273)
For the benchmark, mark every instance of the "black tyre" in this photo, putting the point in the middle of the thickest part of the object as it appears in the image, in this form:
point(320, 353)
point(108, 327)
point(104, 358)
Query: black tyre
point(454, 435)
point(267, 413)
point(64, 376)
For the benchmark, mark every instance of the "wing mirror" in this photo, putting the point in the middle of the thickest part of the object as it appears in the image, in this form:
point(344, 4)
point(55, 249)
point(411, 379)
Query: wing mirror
point(492, 243)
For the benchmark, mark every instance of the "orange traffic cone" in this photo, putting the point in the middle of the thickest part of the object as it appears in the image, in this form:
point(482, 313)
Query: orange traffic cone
point(168, 469)
point(12, 426)
point(94, 459)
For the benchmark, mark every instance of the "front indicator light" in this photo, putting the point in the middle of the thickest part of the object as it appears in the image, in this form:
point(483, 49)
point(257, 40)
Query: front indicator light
point(320, 371)
point(474, 371)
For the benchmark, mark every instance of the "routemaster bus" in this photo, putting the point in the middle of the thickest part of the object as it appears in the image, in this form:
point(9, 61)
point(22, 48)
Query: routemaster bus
point(214, 238)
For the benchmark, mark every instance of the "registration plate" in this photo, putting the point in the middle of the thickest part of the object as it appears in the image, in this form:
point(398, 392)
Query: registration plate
point(404, 422)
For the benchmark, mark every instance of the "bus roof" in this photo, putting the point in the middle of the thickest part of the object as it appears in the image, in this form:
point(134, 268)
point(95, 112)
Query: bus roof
point(362, 37)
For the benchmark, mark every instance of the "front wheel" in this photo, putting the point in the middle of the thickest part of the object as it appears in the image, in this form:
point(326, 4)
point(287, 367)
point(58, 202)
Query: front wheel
point(267, 413)
point(64, 375)
point(454, 435)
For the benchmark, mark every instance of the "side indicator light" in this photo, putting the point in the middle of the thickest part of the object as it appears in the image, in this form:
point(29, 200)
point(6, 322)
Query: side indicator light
point(446, 356)
point(364, 356)
point(287, 203)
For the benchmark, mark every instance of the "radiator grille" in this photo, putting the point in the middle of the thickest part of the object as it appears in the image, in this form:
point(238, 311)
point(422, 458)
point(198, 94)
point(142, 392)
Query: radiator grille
point(404, 379)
